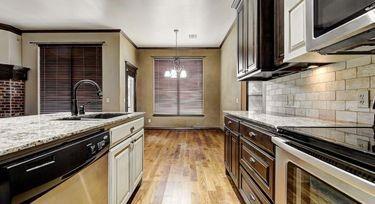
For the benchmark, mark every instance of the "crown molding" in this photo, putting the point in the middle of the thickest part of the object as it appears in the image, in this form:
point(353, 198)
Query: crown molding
point(10, 29)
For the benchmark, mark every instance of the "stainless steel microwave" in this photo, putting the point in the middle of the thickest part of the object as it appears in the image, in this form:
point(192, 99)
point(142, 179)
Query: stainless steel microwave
point(340, 26)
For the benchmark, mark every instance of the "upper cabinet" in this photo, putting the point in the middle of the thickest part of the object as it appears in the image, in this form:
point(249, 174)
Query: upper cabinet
point(295, 36)
point(10, 48)
point(255, 38)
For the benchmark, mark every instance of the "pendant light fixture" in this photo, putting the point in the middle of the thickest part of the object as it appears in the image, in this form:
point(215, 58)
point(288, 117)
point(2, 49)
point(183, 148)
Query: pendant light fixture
point(178, 70)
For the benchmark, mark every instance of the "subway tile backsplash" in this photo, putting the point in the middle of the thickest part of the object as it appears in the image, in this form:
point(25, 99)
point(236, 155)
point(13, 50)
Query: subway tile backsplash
point(329, 92)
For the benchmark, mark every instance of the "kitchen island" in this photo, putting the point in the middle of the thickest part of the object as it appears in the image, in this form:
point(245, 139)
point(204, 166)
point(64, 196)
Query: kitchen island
point(23, 135)
point(55, 158)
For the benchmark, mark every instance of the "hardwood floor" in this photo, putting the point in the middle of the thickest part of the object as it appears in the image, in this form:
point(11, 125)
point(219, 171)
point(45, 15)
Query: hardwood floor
point(184, 167)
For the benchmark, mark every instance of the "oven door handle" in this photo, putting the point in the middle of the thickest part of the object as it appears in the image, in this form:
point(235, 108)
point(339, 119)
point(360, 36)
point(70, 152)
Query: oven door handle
point(320, 168)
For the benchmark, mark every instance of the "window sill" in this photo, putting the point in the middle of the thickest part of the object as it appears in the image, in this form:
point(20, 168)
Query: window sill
point(171, 115)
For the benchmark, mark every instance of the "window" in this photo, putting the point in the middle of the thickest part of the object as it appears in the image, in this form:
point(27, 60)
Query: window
point(61, 66)
point(178, 96)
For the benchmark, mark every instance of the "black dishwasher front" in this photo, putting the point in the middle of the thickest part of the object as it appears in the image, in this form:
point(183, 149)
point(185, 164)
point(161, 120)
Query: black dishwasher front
point(29, 177)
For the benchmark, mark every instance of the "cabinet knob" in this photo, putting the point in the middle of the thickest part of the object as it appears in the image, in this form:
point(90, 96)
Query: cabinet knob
point(252, 134)
point(229, 122)
point(252, 160)
point(132, 129)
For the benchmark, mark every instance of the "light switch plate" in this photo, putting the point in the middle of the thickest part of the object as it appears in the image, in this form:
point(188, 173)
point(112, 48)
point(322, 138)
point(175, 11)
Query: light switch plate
point(363, 99)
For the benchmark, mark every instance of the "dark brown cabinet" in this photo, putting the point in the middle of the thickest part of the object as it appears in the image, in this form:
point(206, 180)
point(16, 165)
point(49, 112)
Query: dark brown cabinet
point(249, 190)
point(241, 36)
point(231, 157)
point(255, 38)
point(279, 32)
point(249, 159)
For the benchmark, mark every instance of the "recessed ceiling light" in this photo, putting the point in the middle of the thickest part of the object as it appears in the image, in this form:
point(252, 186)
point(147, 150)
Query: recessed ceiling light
point(192, 36)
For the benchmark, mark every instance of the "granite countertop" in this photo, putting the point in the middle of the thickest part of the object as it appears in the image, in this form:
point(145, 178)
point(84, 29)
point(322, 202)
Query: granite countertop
point(24, 132)
point(278, 120)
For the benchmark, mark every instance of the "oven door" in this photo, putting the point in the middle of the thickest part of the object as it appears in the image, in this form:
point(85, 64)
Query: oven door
point(301, 178)
point(329, 22)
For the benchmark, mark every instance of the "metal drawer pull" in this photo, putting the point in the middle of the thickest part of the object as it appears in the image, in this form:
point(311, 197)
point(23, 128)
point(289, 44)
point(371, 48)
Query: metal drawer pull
point(252, 197)
point(252, 134)
point(40, 166)
point(132, 129)
point(252, 160)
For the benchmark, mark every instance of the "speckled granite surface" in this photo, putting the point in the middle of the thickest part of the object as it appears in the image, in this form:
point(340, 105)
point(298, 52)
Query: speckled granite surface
point(275, 121)
point(19, 133)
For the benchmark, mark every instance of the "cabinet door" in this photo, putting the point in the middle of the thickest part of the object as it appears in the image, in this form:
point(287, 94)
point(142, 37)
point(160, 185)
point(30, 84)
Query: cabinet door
point(241, 40)
point(294, 28)
point(119, 177)
point(279, 31)
point(227, 150)
point(234, 157)
point(137, 158)
point(251, 33)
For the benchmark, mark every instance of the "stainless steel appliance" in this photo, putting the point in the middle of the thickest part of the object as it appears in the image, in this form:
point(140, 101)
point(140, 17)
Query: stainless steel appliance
point(340, 26)
point(75, 171)
point(325, 165)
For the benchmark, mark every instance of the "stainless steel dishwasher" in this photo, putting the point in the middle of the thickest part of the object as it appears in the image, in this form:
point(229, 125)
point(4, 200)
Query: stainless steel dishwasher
point(74, 172)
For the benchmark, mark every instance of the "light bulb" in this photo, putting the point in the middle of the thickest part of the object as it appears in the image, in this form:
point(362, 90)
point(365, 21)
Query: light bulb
point(183, 74)
point(167, 74)
point(173, 73)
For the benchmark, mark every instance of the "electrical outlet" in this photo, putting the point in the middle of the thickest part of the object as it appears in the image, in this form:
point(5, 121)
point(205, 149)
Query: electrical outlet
point(363, 99)
point(237, 100)
point(149, 120)
point(290, 100)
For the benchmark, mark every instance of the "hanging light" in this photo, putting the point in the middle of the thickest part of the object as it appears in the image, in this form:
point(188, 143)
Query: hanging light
point(167, 74)
point(183, 74)
point(178, 69)
point(173, 73)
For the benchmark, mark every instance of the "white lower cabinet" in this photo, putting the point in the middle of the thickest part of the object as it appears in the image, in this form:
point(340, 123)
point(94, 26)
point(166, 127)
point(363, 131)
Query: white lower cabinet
point(137, 161)
point(125, 168)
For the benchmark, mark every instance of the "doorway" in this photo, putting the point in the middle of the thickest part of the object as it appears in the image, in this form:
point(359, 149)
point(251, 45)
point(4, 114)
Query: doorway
point(130, 89)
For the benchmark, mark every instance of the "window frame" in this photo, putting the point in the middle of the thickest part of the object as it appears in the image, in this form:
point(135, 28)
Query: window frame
point(153, 88)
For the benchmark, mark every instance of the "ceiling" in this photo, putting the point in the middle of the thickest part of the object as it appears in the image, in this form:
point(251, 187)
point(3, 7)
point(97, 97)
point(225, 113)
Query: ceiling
point(148, 23)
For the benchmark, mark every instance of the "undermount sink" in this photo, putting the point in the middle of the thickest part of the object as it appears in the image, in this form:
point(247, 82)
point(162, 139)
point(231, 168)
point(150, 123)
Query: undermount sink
point(97, 116)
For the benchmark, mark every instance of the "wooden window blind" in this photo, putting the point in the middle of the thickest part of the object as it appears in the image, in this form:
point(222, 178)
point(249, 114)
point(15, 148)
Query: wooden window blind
point(178, 96)
point(61, 66)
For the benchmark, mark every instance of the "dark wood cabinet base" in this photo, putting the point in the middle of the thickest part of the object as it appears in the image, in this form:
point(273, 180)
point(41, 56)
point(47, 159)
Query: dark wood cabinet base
point(249, 160)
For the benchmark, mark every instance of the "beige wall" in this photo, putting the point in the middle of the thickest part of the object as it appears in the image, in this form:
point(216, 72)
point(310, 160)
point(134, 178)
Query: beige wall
point(10, 48)
point(230, 88)
point(127, 53)
point(112, 49)
point(211, 70)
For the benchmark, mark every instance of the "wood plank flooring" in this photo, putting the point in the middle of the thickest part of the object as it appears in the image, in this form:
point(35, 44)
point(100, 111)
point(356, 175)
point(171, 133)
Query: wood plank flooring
point(184, 167)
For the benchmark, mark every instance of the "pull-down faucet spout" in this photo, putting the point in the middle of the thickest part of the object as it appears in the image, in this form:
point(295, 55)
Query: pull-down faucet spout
point(75, 88)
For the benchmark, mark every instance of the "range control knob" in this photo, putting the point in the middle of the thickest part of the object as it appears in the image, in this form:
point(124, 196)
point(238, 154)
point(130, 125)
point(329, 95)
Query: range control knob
point(101, 144)
point(92, 148)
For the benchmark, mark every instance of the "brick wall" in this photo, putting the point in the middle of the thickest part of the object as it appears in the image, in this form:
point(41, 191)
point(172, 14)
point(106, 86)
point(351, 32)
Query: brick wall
point(12, 98)
point(328, 92)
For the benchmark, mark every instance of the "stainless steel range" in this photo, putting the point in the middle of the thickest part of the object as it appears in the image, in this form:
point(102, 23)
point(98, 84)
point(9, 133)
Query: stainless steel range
point(325, 165)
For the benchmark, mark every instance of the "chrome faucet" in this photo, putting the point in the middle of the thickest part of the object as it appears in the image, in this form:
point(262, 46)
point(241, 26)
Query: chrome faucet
point(76, 86)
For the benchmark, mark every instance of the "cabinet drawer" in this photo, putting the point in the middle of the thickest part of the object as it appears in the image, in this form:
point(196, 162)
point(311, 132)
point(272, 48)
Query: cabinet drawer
point(231, 123)
point(259, 165)
point(249, 190)
point(258, 137)
point(121, 132)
